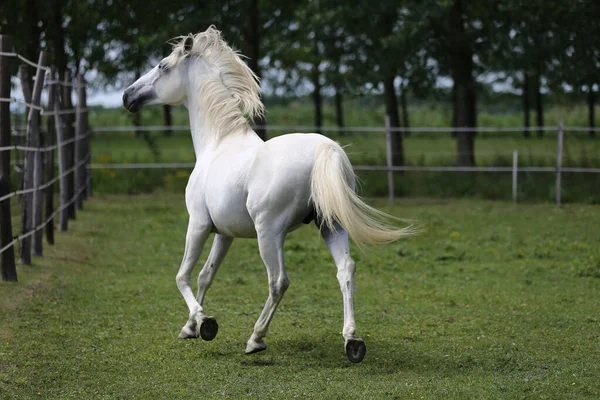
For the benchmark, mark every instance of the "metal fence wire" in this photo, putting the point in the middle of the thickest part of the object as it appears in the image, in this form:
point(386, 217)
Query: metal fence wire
point(63, 146)
point(555, 166)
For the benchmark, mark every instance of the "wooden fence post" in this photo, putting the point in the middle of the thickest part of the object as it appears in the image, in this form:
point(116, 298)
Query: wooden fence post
point(26, 171)
point(16, 140)
point(32, 202)
point(87, 182)
point(9, 271)
point(21, 134)
point(80, 153)
point(38, 200)
point(62, 160)
point(559, 152)
point(50, 159)
point(69, 149)
point(388, 152)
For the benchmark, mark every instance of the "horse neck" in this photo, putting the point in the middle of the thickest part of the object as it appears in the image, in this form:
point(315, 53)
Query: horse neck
point(204, 137)
point(201, 138)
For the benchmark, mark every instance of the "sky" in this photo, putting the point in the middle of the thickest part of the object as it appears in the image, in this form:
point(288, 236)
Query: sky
point(105, 98)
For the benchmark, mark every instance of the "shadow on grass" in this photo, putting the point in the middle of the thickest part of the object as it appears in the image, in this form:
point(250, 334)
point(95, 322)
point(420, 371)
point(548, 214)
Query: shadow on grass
point(383, 357)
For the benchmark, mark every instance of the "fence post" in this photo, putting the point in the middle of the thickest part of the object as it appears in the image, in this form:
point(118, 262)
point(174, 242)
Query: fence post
point(388, 151)
point(50, 159)
point(80, 154)
point(9, 270)
point(27, 171)
point(515, 174)
point(559, 152)
point(62, 160)
point(16, 140)
point(38, 200)
point(87, 154)
point(21, 139)
point(32, 201)
point(69, 149)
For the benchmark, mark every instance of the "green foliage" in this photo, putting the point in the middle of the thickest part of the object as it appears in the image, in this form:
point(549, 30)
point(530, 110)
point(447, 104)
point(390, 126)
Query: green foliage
point(492, 300)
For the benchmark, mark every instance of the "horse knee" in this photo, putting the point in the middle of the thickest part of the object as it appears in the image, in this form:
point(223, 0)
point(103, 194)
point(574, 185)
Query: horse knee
point(182, 280)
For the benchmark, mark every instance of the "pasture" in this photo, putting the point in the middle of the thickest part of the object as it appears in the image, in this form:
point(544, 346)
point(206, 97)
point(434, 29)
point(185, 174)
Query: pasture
point(492, 300)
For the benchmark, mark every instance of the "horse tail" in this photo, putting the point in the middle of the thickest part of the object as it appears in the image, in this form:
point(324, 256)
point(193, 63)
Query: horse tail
point(334, 200)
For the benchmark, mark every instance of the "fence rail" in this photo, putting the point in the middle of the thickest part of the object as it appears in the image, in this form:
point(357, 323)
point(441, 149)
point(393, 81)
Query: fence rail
point(361, 129)
point(36, 149)
point(515, 169)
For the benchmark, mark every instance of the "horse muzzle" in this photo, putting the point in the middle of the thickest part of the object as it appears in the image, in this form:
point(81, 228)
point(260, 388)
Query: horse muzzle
point(134, 99)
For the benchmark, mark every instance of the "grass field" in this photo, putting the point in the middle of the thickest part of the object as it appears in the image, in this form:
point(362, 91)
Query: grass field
point(492, 300)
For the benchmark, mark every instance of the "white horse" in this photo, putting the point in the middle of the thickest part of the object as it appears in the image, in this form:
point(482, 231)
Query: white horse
point(242, 187)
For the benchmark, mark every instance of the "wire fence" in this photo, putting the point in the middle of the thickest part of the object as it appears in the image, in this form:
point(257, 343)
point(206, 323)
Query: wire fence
point(51, 147)
point(548, 159)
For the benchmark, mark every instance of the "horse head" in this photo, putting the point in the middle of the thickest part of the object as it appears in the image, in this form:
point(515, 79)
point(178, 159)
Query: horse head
point(163, 84)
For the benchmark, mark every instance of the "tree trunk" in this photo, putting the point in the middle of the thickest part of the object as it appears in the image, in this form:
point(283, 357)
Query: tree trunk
point(339, 110)
point(317, 98)
point(60, 57)
point(33, 29)
point(404, 106)
point(464, 86)
point(391, 110)
point(539, 106)
point(252, 51)
point(591, 105)
point(168, 120)
point(526, 105)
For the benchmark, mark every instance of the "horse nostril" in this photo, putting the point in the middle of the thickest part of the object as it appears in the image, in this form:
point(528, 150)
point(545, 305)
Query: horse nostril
point(125, 98)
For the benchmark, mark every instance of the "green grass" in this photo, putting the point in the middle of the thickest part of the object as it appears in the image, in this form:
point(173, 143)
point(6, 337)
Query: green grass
point(492, 300)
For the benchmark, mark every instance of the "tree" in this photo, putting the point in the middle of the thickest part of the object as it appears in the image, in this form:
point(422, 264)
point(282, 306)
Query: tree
point(580, 59)
point(463, 33)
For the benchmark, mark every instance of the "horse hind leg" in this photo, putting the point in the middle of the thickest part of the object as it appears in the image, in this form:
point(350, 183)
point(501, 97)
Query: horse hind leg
point(337, 243)
point(271, 251)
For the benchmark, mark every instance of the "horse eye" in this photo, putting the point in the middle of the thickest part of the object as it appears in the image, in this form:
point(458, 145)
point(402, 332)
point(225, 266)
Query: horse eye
point(162, 67)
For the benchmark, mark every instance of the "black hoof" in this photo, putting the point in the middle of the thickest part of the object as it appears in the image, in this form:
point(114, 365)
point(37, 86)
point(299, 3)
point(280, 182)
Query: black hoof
point(209, 328)
point(356, 350)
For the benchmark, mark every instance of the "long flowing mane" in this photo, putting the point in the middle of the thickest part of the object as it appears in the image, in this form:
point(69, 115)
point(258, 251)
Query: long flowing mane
point(230, 99)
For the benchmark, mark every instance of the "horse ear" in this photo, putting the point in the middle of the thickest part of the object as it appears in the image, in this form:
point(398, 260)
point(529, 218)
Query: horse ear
point(188, 45)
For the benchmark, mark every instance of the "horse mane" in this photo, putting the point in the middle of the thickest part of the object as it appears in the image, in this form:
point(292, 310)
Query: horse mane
point(230, 98)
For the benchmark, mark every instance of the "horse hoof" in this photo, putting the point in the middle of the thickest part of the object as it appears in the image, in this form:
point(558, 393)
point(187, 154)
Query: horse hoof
point(356, 350)
point(253, 346)
point(208, 328)
point(187, 333)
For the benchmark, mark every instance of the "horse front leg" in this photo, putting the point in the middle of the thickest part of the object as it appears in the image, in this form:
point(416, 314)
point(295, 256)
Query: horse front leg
point(271, 252)
point(218, 251)
point(196, 236)
point(337, 243)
